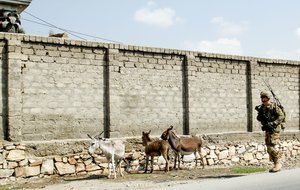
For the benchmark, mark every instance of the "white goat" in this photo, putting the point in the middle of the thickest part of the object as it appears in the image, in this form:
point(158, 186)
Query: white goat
point(114, 151)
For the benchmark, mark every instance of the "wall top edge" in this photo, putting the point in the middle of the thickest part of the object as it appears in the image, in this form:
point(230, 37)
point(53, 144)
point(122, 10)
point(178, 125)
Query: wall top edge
point(95, 44)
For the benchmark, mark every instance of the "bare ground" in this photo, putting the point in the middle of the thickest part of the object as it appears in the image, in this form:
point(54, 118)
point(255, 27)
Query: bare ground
point(136, 180)
point(158, 179)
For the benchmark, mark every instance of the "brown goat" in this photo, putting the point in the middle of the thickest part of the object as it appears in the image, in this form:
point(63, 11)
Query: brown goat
point(183, 146)
point(155, 148)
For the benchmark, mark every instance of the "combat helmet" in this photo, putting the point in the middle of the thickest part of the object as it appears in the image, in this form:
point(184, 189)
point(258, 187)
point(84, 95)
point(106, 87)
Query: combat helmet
point(265, 94)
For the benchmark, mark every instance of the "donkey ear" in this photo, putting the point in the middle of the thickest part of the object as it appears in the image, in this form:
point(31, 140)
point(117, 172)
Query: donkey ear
point(99, 136)
point(101, 133)
point(89, 136)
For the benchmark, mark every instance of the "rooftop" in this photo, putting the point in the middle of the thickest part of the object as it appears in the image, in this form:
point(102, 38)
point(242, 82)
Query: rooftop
point(18, 5)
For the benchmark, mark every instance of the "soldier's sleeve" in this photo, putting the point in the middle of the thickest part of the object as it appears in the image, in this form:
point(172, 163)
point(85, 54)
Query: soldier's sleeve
point(280, 114)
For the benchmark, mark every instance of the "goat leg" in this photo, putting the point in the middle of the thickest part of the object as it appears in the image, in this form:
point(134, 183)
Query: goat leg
point(175, 161)
point(152, 161)
point(195, 153)
point(109, 169)
point(167, 162)
point(179, 160)
point(120, 169)
point(147, 160)
point(113, 165)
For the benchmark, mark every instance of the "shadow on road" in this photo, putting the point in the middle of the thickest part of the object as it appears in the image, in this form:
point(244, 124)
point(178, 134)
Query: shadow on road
point(218, 177)
point(91, 177)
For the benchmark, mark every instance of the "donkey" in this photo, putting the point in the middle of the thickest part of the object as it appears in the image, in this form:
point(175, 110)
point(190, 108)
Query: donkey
point(183, 146)
point(155, 148)
point(114, 151)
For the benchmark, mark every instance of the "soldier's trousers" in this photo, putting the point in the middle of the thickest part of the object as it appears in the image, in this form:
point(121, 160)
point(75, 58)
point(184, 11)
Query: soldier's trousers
point(271, 140)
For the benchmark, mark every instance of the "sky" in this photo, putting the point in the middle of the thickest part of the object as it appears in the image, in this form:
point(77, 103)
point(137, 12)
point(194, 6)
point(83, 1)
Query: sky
point(257, 28)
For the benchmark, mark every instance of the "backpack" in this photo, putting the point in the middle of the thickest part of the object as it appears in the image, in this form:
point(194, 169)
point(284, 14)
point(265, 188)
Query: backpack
point(283, 124)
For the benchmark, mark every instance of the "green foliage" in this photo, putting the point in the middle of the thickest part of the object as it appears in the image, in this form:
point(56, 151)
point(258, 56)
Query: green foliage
point(5, 187)
point(246, 170)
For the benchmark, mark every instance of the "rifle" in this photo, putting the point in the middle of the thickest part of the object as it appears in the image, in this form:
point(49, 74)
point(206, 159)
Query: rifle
point(273, 94)
point(264, 120)
point(283, 125)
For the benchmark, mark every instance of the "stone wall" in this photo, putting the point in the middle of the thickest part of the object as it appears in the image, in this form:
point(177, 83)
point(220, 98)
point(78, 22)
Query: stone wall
point(63, 89)
point(17, 161)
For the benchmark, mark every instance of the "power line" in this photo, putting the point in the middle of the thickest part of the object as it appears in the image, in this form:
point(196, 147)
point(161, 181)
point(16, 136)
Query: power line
point(48, 26)
point(74, 33)
point(53, 26)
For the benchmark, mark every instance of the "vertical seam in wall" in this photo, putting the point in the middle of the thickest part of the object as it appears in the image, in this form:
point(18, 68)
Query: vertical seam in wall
point(249, 97)
point(185, 96)
point(23, 65)
point(106, 95)
point(5, 118)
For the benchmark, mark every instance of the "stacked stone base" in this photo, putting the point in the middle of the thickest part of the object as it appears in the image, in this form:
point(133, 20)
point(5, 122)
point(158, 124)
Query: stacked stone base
point(16, 162)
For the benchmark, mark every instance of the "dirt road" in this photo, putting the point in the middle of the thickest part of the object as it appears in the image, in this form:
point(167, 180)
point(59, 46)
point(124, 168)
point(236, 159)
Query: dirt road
point(157, 179)
point(136, 181)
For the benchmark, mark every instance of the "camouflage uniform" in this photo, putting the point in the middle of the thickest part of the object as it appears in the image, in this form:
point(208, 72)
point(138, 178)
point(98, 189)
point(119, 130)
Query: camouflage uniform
point(271, 118)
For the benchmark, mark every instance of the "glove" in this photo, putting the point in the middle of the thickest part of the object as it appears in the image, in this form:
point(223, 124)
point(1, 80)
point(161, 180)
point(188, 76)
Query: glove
point(271, 127)
point(257, 107)
point(271, 124)
point(283, 125)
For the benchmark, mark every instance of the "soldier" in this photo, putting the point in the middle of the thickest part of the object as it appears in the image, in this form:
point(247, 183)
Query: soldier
point(271, 116)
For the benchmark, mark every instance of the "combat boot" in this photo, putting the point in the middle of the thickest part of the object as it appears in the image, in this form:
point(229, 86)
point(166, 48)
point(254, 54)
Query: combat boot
point(277, 167)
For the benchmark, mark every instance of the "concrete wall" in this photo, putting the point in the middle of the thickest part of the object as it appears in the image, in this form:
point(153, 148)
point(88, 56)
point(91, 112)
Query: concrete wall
point(63, 89)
